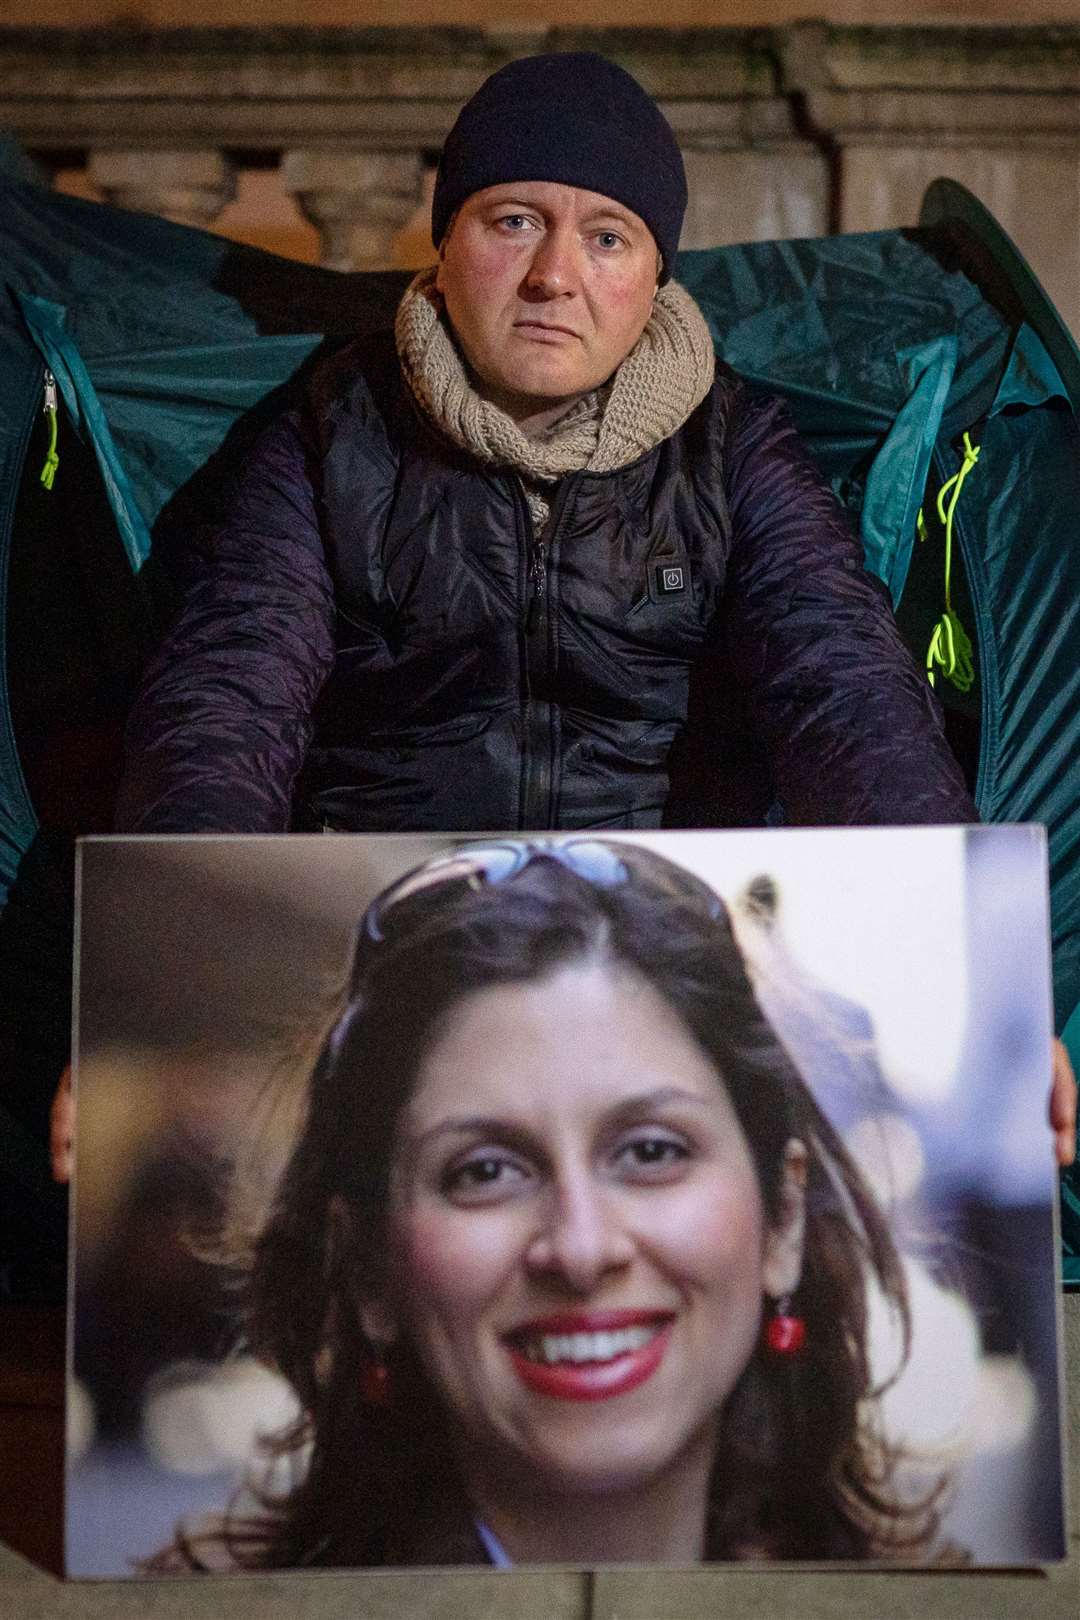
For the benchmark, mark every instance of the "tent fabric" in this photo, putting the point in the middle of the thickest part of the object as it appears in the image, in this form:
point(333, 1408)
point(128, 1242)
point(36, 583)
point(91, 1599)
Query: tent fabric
point(45, 323)
point(171, 345)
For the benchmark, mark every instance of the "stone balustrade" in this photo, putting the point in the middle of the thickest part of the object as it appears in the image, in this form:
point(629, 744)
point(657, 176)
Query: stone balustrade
point(786, 131)
point(190, 187)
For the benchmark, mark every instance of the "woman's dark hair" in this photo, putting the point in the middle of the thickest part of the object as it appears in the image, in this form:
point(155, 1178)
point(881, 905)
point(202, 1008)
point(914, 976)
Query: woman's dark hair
point(800, 1473)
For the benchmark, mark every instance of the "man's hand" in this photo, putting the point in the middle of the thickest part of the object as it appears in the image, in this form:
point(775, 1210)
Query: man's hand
point(62, 1127)
point(1063, 1106)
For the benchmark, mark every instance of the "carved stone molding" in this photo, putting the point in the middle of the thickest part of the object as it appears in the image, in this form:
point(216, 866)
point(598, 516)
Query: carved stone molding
point(1005, 86)
point(399, 88)
point(373, 89)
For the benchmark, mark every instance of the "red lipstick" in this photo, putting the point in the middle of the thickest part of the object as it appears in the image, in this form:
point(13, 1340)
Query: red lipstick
point(589, 1355)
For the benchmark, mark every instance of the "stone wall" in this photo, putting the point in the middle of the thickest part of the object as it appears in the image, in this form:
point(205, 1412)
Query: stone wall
point(477, 13)
point(325, 136)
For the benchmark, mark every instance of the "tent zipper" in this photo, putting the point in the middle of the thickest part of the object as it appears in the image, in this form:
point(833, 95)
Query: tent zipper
point(52, 412)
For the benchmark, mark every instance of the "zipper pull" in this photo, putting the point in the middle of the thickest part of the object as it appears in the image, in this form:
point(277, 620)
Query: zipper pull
point(538, 581)
point(52, 459)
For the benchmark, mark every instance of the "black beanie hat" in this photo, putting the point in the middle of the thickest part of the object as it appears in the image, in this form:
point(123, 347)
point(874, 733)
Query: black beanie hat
point(575, 118)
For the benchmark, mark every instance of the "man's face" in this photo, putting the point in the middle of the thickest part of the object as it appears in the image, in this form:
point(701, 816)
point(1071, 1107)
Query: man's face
point(548, 288)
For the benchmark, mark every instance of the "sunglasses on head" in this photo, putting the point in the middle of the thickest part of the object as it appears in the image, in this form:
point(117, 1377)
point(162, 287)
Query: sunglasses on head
point(485, 865)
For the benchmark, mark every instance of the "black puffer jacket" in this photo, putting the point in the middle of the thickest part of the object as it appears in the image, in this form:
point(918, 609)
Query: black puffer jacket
point(373, 640)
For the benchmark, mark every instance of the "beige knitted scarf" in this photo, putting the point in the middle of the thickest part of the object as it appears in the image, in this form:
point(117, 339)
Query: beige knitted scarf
point(667, 373)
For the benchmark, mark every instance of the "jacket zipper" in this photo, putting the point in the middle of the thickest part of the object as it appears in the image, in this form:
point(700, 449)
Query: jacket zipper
point(539, 729)
point(537, 584)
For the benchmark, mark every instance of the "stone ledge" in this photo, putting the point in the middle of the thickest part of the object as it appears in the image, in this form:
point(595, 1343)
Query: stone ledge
point(389, 89)
point(950, 117)
point(276, 64)
point(945, 86)
point(1014, 60)
point(378, 90)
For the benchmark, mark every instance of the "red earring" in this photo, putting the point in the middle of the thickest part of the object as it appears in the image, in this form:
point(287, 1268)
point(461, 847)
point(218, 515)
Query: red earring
point(785, 1334)
point(376, 1383)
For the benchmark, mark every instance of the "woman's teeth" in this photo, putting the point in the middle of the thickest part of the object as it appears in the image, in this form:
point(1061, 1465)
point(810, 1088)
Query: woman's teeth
point(552, 1348)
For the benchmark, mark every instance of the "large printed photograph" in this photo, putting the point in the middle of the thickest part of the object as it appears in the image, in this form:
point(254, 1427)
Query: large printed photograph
point(652, 1198)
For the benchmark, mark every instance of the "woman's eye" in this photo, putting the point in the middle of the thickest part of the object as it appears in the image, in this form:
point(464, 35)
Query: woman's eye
point(482, 1179)
point(652, 1157)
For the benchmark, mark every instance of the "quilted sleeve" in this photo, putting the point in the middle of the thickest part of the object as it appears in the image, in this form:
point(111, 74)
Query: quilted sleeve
point(849, 722)
point(222, 719)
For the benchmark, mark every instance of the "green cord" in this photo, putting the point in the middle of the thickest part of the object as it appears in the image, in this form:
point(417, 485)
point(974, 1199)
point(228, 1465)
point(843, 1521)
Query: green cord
point(52, 460)
point(52, 411)
point(950, 647)
point(950, 650)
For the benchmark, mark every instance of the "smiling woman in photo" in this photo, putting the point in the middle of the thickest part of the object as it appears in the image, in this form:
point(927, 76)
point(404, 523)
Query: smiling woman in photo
point(567, 1265)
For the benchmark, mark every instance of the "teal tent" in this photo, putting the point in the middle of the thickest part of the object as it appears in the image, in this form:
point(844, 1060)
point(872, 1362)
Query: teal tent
point(908, 357)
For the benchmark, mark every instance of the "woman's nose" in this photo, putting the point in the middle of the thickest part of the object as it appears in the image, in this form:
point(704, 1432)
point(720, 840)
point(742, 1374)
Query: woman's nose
point(553, 266)
point(582, 1238)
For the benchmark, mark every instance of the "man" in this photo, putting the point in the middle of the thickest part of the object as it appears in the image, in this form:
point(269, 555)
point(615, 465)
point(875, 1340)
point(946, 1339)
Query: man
point(531, 562)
